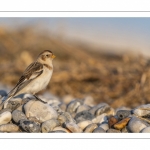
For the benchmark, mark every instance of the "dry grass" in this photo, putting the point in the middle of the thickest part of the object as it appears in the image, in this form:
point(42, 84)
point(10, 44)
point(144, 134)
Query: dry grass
point(119, 80)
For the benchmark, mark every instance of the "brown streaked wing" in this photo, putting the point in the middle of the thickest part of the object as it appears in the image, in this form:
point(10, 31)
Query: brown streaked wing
point(32, 71)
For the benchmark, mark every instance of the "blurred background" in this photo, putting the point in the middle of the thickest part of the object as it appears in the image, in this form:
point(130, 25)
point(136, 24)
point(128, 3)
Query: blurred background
point(107, 59)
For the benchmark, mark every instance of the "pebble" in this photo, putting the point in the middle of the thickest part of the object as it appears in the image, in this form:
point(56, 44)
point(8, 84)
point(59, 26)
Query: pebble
point(121, 114)
point(73, 105)
point(5, 109)
point(9, 128)
point(121, 124)
point(125, 130)
point(27, 115)
point(49, 125)
point(104, 126)
point(74, 128)
point(84, 124)
point(20, 108)
point(73, 115)
point(39, 110)
point(3, 93)
point(113, 131)
point(34, 119)
point(94, 109)
point(65, 118)
point(57, 131)
point(18, 115)
point(57, 109)
point(105, 109)
point(54, 102)
point(63, 107)
point(142, 110)
point(5, 117)
point(100, 119)
point(83, 108)
point(62, 129)
point(62, 119)
point(30, 126)
point(90, 128)
point(146, 130)
point(99, 130)
point(13, 104)
point(112, 120)
point(135, 125)
point(84, 115)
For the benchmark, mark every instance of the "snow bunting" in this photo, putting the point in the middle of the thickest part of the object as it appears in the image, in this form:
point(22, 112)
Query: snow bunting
point(35, 78)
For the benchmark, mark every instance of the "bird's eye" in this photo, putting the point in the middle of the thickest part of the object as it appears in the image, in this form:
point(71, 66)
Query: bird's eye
point(47, 55)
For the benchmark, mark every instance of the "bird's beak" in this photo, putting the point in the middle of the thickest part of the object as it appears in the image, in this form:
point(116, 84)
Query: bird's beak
point(53, 56)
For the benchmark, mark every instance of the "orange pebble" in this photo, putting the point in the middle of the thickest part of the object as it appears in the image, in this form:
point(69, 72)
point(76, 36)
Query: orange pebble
point(121, 124)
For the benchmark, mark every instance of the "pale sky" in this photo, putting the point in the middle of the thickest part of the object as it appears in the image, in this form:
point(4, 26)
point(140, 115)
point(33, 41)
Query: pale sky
point(112, 33)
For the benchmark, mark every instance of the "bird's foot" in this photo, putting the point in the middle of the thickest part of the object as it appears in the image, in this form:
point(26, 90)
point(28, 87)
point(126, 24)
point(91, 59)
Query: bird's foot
point(38, 99)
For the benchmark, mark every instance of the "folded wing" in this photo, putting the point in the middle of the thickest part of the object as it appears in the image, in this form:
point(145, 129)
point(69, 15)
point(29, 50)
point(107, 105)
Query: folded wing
point(32, 71)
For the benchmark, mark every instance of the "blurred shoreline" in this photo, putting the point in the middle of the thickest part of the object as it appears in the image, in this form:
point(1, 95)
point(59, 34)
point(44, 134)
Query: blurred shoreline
point(113, 35)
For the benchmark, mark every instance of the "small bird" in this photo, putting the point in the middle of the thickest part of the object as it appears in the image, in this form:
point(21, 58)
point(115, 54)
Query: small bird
point(35, 77)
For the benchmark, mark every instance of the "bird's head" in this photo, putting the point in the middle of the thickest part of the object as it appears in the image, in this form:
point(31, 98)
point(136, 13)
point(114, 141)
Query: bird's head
point(46, 57)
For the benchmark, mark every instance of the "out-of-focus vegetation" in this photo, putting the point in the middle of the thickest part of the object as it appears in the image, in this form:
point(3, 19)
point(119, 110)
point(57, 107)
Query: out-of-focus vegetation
point(119, 80)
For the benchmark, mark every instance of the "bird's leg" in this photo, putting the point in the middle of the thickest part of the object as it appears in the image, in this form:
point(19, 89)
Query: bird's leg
point(37, 98)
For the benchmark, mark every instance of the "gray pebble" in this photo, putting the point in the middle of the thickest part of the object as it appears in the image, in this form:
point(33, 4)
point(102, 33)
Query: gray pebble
point(104, 126)
point(57, 131)
point(104, 109)
point(57, 109)
point(135, 125)
point(18, 115)
point(139, 111)
point(65, 117)
point(121, 114)
point(3, 93)
point(90, 128)
point(84, 115)
point(74, 128)
point(113, 131)
point(84, 124)
point(100, 119)
point(82, 108)
point(73, 105)
point(30, 126)
point(95, 108)
point(40, 110)
point(99, 130)
point(13, 103)
point(49, 125)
